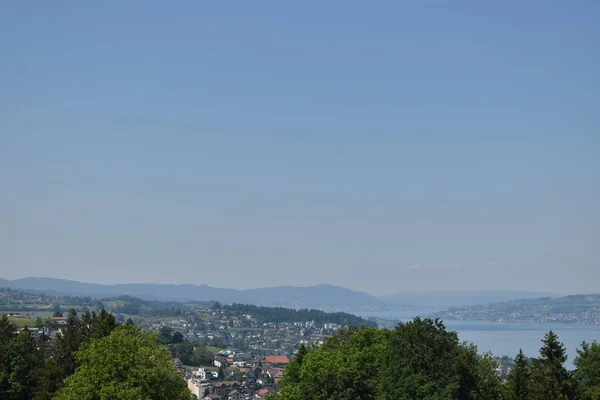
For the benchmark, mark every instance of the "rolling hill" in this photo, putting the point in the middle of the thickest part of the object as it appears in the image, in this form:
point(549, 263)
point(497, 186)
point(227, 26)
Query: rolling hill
point(320, 296)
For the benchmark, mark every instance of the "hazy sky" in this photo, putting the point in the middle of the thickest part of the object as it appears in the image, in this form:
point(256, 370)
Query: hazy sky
point(381, 146)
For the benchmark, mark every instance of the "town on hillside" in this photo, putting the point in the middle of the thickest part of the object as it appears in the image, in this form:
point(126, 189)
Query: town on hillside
point(233, 351)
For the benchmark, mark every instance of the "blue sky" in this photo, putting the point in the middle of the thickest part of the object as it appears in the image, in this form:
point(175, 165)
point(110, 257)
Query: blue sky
point(397, 146)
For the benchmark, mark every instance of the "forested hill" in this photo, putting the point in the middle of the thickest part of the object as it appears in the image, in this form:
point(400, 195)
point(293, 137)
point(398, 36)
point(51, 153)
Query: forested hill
point(23, 302)
point(281, 314)
point(326, 297)
point(575, 309)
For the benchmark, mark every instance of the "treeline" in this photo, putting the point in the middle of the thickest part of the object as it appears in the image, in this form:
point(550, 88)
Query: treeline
point(20, 301)
point(422, 360)
point(193, 353)
point(35, 367)
point(146, 308)
point(91, 357)
point(281, 314)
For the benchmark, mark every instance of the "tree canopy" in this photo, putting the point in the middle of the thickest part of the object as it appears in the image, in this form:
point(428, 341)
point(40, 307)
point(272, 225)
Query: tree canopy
point(282, 314)
point(587, 373)
point(127, 364)
point(421, 360)
point(417, 360)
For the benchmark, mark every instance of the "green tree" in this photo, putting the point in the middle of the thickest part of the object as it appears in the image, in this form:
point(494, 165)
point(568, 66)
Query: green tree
point(7, 333)
point(489, 384)
point(165, 334)
point(587, 372)
point(23, 366)
point(128, 364)
point(67, 343)
point(201, 356)
point(292, 371)
point(418, 360)
point(77, 331)
point(517, 384)
point(425, 361)
point(550, 380)
point(347, 366)
point(102, 324)
point(184, 351)
point(49, 380)
point(238, 376)
point(177, 338)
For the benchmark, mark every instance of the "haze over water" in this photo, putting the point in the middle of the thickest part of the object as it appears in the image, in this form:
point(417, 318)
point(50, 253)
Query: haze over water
point(505, 339)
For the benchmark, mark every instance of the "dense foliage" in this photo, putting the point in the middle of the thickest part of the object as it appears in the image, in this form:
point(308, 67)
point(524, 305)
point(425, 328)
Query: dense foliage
point(587, 374)
point(34, 368)
point(281, 314)
point(128, 364)
point(192, 353)
point(146, 308)
point(38, 368)
point(93, 357)
point(421, 360)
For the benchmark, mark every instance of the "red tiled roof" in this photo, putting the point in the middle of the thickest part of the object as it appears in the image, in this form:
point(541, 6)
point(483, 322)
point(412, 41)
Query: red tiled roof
point(277, 359)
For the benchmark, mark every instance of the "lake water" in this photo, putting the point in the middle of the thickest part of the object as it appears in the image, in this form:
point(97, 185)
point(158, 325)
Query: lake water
point(506, 338)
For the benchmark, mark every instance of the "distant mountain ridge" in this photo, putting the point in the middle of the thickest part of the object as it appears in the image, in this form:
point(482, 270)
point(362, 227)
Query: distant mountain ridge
point(319, 296)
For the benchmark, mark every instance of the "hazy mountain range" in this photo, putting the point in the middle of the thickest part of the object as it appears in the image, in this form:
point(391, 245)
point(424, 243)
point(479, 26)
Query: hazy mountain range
point(320, 296)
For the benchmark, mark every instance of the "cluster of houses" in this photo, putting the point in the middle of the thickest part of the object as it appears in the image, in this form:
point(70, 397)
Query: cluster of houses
point(238, 375)
point(218, 329)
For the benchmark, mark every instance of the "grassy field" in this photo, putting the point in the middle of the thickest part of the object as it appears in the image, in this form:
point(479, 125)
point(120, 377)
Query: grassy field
point(35, 314)
point(189, 368)
point(31, 314)
point(22, 322)
point(213, 350)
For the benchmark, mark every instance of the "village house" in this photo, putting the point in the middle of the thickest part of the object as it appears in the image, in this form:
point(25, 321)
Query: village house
point(277, 361)
point(224, 388)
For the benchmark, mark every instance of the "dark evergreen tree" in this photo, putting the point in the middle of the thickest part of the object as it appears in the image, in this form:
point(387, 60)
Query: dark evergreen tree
point(7, 333)
point(177, 338)
point(24, 365)
point(50, 380)
point(292, 371)
point(550, 380)
point(587, 373)
point(103, 324)
point(165, 334)
point(67, 343)
point(517, 384)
